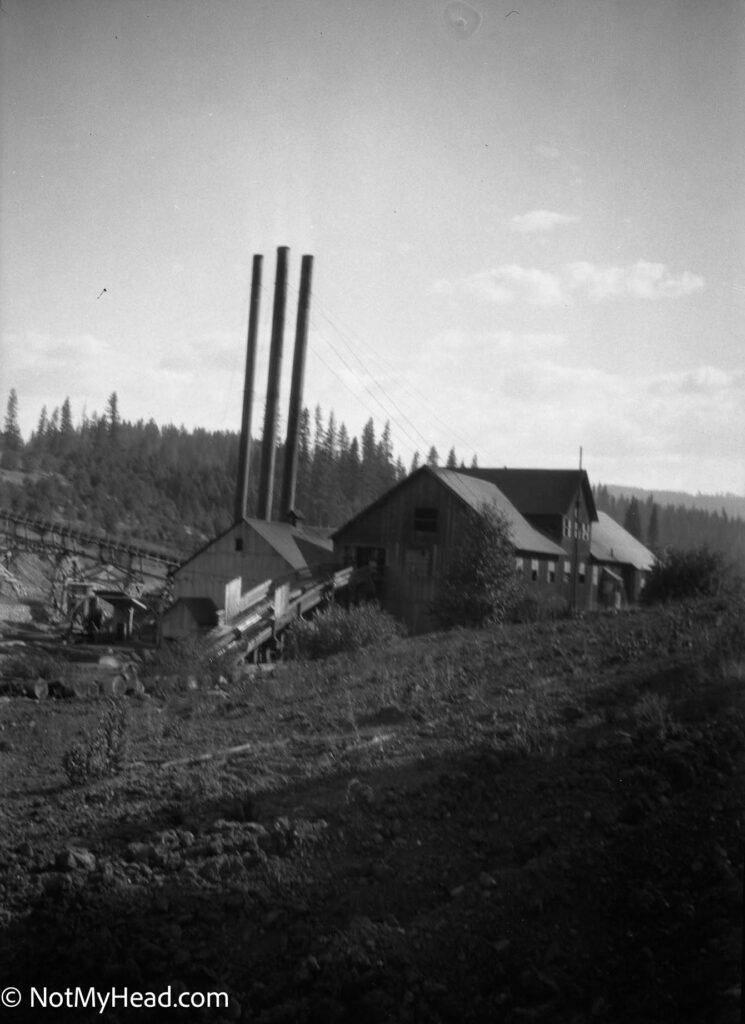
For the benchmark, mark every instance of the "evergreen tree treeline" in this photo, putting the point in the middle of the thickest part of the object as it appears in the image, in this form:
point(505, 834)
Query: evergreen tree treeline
point(170, 485)
point(663, 527)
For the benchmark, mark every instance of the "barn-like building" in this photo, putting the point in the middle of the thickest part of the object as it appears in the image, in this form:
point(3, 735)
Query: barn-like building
point(409, 534)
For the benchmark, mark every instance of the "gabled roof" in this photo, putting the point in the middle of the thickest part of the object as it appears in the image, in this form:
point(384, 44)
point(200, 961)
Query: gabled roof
point(473, 492)
point(298, 547)
point(611, 543)
point(540, 492)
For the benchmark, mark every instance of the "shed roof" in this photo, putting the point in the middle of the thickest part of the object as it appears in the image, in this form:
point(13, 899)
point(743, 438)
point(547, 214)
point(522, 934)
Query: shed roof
point(540, 491)
point(611, 543)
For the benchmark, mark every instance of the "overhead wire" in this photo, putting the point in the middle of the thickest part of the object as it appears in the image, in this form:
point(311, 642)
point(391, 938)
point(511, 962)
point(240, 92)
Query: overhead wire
point(325, 312)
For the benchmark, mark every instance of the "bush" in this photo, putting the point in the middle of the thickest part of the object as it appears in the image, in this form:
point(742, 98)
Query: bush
point(338, 629)
point(682, 574)
point(102, 753)
point(480, 585)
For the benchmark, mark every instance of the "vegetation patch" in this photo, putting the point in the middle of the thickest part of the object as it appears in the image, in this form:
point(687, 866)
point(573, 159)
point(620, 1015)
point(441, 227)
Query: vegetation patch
point(337, 630)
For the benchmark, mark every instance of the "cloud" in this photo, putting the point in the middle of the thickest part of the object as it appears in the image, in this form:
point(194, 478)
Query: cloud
point(508, 283)
point(641, 280)
point(512, 283)
point(547, 152)
point(540, 221)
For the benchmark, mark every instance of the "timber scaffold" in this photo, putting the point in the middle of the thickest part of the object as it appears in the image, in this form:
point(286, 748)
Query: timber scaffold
point(56, 538)
point(272, 606)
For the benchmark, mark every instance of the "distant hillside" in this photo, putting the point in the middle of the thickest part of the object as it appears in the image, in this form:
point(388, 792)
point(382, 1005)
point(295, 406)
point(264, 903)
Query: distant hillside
point(733, 504)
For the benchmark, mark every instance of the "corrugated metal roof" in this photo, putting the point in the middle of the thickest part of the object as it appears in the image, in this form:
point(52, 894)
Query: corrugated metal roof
point(477, 492)
point(539, 491)
point(611, 543)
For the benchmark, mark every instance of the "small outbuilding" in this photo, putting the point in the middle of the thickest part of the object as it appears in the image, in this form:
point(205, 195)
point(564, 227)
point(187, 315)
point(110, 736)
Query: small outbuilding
point(253, 551)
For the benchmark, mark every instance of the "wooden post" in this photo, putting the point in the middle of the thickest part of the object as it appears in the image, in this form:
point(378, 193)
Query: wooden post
point(289, 474)
point(244, 451)
point(268, 453)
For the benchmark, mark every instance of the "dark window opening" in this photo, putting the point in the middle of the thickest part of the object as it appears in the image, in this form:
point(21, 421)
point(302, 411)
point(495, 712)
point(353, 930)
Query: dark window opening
point(425, 520)
point(239, 543)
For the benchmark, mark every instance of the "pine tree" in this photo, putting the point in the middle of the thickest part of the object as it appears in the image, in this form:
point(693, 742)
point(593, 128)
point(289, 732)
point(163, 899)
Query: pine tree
point(414, 462)
point(653, 529)
point(12, 432)
point(633, 520)
point(112, 413)
point(474, 462)
point(433, 457)
point(452, 461)
point(66, 426)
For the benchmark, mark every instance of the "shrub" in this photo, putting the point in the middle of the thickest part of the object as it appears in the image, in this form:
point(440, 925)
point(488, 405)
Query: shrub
point(480, 585)
point(338, 629)
point(682, 574)
point(102, 753)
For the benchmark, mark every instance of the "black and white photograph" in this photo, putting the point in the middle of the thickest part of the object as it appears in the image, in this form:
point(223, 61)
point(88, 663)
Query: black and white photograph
point(372, 511)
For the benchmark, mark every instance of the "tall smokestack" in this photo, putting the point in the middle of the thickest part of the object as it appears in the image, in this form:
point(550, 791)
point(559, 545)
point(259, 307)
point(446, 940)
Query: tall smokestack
point(266, 477)
point(289, 475)
point(244, 451)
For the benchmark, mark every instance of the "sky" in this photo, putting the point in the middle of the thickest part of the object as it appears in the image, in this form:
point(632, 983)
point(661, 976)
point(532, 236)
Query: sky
point(526, 217)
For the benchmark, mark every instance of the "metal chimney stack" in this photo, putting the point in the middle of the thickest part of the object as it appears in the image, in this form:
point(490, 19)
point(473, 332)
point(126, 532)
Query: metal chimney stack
point(289, 474)
point(244, 451)
point(268, 446)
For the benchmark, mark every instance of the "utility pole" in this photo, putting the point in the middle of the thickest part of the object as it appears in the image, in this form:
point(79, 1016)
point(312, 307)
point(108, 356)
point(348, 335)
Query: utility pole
point(575, 575)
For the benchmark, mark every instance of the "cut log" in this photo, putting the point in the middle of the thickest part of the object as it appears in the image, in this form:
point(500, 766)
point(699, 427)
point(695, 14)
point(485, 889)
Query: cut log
point(37, 689)
point(113, 686)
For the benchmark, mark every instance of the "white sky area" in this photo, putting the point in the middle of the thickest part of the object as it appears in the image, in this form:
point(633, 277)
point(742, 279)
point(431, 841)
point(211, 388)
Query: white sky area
point(527, 220)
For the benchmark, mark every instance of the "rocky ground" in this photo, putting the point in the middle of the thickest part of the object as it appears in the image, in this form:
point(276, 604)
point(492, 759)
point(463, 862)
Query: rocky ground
point(539, 823)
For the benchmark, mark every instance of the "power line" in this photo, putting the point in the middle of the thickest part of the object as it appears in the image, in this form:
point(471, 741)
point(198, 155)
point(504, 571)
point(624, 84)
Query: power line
point(469, 443)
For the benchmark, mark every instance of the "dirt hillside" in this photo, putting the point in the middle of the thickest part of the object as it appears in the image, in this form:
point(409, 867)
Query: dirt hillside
point(536, 823)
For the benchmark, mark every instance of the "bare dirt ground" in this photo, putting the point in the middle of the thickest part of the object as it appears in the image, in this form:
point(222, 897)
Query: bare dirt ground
point(537, 823)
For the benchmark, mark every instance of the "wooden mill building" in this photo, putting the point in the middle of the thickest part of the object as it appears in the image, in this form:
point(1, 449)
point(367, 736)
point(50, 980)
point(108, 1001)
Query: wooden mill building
point(409, 534)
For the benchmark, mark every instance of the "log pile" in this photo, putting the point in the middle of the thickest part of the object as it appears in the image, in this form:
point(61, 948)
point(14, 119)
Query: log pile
point(110, 676)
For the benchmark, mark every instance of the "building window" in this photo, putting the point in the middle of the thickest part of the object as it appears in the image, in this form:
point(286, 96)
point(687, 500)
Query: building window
point(519, 565)
point(552, 572)
point(567, 526)
point(425, 520)
point(534, 570)
point(585, 531)
point(595, 575)
point(581, 572)
point(567, 570)
point(239, 543)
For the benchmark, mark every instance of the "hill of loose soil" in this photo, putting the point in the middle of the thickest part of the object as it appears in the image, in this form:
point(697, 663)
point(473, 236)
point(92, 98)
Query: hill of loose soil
point(537, 823)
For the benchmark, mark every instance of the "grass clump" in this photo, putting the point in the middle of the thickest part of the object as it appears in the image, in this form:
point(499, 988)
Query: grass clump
point(336, 630)
point(101, 753)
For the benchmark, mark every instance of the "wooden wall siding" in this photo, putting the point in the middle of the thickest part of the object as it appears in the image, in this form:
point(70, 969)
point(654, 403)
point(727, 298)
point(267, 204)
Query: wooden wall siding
point(414, 559)
point(207, 573)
